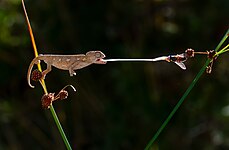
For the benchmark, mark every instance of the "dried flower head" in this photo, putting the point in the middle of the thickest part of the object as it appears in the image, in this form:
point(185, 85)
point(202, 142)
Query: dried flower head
point(211, 54)
point(36, 75)
point(189, 53)
point(63, 94)
point(209, 68)
point(47, 100)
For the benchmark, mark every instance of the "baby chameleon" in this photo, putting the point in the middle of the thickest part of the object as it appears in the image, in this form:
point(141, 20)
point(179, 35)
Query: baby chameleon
point(67, 62)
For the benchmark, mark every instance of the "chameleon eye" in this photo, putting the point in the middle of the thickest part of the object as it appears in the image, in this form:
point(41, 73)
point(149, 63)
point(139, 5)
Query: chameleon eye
point(97, 55)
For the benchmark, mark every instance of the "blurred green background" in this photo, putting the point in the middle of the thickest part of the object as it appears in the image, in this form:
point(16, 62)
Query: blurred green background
point(120, 105)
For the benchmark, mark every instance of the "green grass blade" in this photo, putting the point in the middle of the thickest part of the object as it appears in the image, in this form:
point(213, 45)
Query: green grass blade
point(42, 82)
point(222, 41)
point(177, 106)
point(60, 128)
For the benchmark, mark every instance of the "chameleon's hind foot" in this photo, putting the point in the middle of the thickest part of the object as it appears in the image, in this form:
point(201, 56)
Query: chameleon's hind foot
point(43, 75)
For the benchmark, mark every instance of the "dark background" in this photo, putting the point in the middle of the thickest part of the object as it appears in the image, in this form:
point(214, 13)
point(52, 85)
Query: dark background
point(117, 106)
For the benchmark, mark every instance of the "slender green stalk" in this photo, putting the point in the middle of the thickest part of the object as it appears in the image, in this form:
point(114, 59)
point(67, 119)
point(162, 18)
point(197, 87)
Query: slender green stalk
point(222, 50)
point(184, 95)
point(177, 106)
point(60, 128)
point(43, 82)
point(222, 41)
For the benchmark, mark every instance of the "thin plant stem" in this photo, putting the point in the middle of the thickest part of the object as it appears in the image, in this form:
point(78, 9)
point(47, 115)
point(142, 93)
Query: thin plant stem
point(222, 41)
point(223, 50)
point(177, 106)
point(184, 96)
point(43, 82)
point(55, 117)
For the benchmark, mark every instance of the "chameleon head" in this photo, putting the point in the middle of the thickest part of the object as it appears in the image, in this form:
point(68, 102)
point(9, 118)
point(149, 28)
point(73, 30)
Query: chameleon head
point(96, 56)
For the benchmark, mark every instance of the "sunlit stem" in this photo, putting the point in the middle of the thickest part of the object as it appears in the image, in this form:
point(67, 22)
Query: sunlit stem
point(30, 30)
point(223, 50)
point(33, 43)
point(43, 82)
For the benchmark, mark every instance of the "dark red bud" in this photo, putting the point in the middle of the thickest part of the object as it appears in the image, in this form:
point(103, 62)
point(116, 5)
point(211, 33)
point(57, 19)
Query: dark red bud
point(36, 75)
point(46, 100)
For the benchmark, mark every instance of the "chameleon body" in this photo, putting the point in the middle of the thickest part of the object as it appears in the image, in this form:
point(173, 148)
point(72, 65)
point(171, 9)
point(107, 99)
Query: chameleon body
point(66, 62)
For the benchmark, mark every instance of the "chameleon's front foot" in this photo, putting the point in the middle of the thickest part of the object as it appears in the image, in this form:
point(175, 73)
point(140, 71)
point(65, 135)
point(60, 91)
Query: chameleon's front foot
point(72, 72)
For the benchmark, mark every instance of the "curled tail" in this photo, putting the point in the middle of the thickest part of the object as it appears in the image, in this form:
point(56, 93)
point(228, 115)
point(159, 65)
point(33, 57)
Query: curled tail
point(34, 61)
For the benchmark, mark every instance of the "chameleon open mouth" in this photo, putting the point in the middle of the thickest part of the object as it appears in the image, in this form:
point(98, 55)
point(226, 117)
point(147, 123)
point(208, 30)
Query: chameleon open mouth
point(101, 61)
